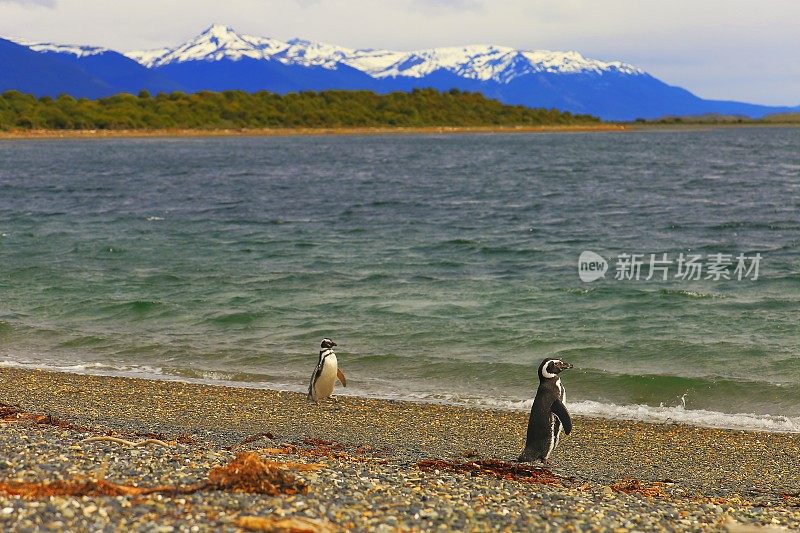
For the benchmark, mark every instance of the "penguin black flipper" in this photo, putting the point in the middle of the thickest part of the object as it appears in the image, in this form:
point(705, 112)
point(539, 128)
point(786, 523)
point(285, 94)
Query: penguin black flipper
point(561, 412)
point(314, 377)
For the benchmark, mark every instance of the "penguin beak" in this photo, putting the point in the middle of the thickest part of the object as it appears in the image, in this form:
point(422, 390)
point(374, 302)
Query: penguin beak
point(334, 344)
point(564, 365)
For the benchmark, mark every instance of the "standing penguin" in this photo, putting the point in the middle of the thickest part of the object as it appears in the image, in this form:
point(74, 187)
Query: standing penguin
point(548, 413)
point(324, 377)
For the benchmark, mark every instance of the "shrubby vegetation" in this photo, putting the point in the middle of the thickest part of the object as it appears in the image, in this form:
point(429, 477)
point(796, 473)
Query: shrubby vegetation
point(238, 109)
point(776, 118)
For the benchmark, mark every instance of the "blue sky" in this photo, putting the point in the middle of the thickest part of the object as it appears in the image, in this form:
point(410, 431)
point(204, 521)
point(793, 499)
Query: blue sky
point(732, 49)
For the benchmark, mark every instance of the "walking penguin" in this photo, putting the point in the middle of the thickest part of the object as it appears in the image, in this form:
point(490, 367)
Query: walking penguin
point(325, 374)
point(548, 413)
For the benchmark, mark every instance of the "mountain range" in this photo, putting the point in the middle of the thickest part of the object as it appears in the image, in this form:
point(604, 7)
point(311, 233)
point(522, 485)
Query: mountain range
point(221, 59)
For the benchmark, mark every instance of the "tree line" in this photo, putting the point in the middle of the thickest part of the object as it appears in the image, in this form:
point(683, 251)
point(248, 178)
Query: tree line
point(242, 110)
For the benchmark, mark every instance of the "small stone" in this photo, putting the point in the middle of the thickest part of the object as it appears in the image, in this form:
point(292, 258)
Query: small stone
point(429, 514)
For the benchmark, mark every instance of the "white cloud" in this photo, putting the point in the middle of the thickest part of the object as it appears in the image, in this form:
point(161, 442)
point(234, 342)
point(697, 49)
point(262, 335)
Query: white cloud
point(448, 5)
point(31, 3)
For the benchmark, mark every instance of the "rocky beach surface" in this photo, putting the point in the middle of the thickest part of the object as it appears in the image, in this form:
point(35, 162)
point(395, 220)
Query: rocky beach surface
point(93, 453)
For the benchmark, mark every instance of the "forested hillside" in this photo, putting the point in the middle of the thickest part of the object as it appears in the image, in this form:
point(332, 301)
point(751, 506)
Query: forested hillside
point(238, 109)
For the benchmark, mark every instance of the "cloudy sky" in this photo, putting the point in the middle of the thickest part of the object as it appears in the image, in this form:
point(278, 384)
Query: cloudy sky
point(724, 49)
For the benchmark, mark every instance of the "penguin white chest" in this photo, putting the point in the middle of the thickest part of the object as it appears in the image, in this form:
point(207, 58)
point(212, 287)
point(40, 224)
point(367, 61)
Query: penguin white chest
point(323, 387)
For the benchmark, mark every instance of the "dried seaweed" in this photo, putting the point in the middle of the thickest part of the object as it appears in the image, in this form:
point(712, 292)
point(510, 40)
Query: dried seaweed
point(492, 467)
point(634, 486)
point(246, 473)
point(8, 412)
point(328, 450)
point(13, 413)
point(183, 438)
point(249, 473)
point(89, 487)
point(132, 444)
point(323, 448)
point(790, 499)
point(251, 439)
point(283, 450)
point(258, 436)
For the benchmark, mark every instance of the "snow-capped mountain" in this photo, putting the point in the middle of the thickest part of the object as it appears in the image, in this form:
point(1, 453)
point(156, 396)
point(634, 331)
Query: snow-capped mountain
point(99, 71)
point(72, 49)
point(220, 59)
point(216, 43)
point(477, 62)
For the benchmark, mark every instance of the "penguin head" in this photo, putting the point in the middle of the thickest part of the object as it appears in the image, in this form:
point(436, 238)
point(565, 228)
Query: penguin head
point(327, 344)
point(551, 368)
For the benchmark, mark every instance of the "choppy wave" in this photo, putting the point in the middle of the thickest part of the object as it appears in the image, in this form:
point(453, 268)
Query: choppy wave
point(416, 262)
point(689, 294)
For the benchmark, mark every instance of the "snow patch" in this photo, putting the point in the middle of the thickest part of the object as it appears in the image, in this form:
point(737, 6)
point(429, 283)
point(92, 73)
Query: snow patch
point(73, 49)
point(217, 42)
point(501, 64)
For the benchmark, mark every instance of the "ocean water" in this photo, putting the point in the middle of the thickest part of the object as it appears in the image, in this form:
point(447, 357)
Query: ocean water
point(446, 267)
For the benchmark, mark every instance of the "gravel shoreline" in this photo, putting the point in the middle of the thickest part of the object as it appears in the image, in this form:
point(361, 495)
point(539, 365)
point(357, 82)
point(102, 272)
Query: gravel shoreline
point(293, 132)
point(370, 465)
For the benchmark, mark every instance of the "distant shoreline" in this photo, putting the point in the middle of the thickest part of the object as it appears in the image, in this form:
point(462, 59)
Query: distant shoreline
point(293, 132)
point(438, 130)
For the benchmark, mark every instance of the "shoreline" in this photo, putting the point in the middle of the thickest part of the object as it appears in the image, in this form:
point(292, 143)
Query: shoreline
point(298, 132)
point(377, 464)
point(639, 413)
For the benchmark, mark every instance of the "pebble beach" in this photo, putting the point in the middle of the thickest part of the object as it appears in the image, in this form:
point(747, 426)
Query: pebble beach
point(92, 453)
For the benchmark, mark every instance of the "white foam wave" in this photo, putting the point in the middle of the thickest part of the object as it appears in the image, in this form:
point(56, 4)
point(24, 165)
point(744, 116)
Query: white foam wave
point(636, 412)
point(152, 373)
point(639, 412)
point(694, 417)
point(88, 368)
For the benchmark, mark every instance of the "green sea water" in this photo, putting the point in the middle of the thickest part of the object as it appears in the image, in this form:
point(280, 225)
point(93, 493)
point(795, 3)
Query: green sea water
point(446, 267)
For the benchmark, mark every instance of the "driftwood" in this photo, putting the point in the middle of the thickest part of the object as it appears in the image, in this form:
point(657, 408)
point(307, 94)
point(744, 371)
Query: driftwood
point(130, 443)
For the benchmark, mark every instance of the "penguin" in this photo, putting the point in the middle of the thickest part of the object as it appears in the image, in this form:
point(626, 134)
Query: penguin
point(548, 413)
point(325, 374)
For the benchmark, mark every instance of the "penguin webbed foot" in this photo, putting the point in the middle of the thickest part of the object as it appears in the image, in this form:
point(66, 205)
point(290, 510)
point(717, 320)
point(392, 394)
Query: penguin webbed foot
point(525, 457)
point(532, 457)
